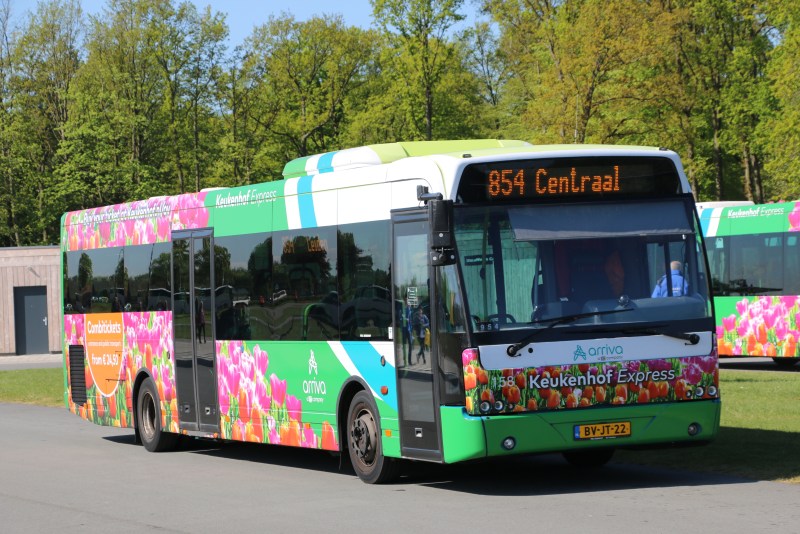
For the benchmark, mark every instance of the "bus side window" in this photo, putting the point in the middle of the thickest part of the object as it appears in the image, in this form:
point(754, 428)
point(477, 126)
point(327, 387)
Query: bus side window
point(791, 274)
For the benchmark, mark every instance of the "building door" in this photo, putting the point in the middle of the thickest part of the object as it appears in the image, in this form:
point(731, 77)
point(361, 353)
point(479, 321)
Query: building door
point(30, 319)
point(193, 325)
point(415, 351)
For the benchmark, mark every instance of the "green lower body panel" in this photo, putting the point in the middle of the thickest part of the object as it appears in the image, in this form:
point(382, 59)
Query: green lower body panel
point(467, 437)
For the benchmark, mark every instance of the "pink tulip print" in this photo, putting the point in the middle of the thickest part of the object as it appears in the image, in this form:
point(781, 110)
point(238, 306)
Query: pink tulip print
point(761, 326)
point(136, 223)
point(147, 343)
point(255, 405)
point(794, 218)
point(593, 384)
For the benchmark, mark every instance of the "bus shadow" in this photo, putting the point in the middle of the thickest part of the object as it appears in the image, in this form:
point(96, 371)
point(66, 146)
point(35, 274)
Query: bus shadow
point(728, 460)
point(122, 439)
point(737, 456)
point(306, 459)
point(551, 475)
point(756, 364)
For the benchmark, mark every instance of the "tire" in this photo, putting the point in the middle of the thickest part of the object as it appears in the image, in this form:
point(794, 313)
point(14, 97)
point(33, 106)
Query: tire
point(148, 420)
point(589, 459)
point(364, 442)
point(785, 362)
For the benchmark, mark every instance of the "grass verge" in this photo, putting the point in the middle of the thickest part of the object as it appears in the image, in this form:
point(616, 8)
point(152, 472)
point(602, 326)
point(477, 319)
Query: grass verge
point(758, 436)
point(44, 387)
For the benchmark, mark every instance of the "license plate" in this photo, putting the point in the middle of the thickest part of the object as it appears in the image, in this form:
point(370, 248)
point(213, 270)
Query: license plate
point(603, 430)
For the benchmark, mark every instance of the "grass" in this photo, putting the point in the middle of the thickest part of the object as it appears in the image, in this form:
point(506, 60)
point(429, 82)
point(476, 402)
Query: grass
point(758, 436)
point(44, 387)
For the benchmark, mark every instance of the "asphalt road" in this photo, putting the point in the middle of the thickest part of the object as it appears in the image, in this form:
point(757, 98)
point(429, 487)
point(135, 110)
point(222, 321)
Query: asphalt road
point(60, 473)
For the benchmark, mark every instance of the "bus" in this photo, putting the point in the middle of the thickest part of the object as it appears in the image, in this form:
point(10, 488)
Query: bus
point(722, 204)
point(754, 263)
point(416, 301)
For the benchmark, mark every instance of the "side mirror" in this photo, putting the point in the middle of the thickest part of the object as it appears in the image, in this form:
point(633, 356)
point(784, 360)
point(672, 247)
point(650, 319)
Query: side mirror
point(441, 223)
point(440, 213)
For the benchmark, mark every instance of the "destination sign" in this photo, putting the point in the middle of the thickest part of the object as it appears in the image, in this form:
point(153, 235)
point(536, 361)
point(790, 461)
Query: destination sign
point(564, 178)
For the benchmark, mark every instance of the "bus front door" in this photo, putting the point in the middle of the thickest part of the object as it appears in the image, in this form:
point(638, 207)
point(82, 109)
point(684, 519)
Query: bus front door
point(415, 356)
point(192, 317)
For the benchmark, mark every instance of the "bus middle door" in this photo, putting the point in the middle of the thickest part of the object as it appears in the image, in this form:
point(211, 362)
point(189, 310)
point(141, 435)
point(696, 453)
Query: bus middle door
point(193, 326)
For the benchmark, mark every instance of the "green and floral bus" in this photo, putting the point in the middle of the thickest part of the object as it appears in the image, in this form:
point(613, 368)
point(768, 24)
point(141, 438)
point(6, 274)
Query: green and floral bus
point(754, 263)
point(431, 301)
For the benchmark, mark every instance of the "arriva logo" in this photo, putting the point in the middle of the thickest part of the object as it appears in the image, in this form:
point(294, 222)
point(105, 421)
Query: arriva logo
point(605, 351)
point(313, 386)
point(579, 354)
point(312, 364)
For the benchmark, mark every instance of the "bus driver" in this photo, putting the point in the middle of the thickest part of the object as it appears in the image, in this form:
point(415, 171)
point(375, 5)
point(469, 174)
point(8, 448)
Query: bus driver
point(679, 285)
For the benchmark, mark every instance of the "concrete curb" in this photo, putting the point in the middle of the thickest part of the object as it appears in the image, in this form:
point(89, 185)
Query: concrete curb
point(31, 361)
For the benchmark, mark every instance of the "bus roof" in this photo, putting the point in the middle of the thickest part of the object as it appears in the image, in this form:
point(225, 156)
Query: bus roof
point(722, 204)
point(369, 155)
point(750, 218)
point(380, 154)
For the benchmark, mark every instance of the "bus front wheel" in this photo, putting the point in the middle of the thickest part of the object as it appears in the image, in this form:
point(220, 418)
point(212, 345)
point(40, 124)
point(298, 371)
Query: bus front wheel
point(364, 442)
point(148, 419)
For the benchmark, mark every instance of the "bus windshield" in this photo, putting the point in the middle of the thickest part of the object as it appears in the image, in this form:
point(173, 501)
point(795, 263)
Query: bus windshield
point(528, 266)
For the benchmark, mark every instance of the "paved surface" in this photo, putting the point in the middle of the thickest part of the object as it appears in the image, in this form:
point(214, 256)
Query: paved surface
point(62, 474)
point(30, 361)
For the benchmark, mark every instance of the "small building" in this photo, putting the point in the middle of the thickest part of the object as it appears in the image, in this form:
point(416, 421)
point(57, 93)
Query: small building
point(30, 300)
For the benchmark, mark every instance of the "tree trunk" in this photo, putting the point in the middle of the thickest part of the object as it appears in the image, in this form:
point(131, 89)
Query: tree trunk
point(758, 185)
point(716, 123)
point(748, 177)
point(692, 175)
point(196, 146)
point(428, 113)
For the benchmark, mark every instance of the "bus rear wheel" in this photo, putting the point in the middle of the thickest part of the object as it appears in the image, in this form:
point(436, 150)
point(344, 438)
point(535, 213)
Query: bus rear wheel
point(592, 458)
point(785, 362)
point(148, 420)
point(364, 442)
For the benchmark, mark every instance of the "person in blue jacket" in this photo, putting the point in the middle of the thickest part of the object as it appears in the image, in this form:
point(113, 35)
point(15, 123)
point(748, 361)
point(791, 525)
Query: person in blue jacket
point(679, 285)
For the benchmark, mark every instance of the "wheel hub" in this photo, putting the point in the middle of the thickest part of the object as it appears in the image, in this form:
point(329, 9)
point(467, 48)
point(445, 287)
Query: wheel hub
point(364, 435)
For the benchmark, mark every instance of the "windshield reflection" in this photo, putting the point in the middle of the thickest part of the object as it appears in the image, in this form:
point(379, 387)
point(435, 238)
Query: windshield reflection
point(513, 280)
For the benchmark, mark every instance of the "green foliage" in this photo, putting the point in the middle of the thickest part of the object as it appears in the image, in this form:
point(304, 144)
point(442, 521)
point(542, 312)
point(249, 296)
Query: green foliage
point(147, 100)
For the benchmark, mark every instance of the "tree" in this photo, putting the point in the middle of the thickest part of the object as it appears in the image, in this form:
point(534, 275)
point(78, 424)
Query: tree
point(303, 72)
point(47, 58)
point(206, 55)
point(418, 30)
point(578, 66)
point(188, 47)
point(9, 163)
point(389, 108)
point(780, 132)
point(747, 99)
point(243, 132)
point(117, 138)
point(485, 60)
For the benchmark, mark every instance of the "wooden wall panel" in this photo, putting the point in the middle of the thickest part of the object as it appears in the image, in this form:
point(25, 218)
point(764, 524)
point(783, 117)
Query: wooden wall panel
point(24, 267)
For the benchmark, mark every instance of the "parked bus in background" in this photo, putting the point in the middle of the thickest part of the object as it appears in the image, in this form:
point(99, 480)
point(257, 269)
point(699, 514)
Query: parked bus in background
point(722, 204)
point(432, 301)
point(754, 263)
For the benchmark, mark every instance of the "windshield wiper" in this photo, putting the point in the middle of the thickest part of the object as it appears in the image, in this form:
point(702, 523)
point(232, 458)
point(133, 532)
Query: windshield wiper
point(693, 339)
point(514, 348)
